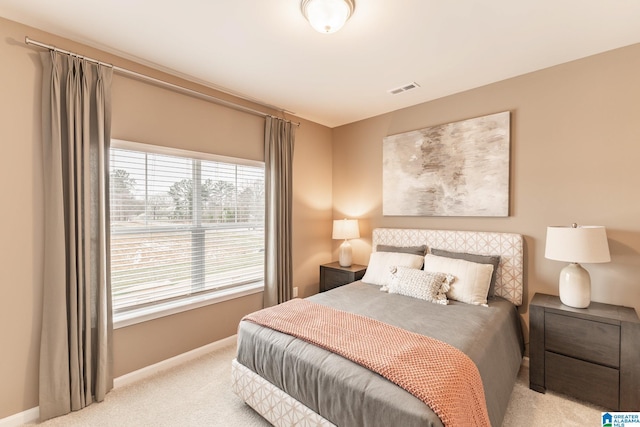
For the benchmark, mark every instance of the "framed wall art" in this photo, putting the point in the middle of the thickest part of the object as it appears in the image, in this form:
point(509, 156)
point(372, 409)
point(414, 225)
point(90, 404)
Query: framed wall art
point(455, 169)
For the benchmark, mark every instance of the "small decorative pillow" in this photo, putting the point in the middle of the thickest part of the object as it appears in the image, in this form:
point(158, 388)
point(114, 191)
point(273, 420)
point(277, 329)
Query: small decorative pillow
point(380, 264)
point(472, 280)
point(421, 284)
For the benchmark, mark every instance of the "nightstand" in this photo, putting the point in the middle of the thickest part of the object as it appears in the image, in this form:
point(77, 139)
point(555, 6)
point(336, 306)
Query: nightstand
point(592, 354)
point(332, 275)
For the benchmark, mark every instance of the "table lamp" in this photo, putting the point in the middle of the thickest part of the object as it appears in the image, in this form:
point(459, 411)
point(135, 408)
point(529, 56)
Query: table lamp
point(576, 244)
point(345, 229)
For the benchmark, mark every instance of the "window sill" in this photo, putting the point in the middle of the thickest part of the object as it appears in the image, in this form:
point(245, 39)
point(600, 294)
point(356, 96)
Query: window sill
point(161, 310)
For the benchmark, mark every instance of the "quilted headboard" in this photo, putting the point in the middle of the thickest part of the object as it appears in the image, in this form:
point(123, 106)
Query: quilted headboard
point(510, 274)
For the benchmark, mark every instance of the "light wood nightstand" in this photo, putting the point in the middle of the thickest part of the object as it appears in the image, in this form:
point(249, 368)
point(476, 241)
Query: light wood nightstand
point(591, 353)
point(332, 275)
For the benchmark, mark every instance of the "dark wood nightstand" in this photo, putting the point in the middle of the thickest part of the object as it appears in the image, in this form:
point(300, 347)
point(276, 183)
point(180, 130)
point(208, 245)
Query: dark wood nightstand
point(591, 353)
point(332, 275)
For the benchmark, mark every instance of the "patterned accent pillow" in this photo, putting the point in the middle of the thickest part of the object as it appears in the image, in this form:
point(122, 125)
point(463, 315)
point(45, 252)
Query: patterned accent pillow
point(421, 284)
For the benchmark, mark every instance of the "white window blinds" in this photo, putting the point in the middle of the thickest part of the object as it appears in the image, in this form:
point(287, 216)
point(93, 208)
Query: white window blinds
point(182, 224)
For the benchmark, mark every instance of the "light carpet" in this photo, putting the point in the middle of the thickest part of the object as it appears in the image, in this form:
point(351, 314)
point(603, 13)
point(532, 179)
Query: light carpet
point(198, 393)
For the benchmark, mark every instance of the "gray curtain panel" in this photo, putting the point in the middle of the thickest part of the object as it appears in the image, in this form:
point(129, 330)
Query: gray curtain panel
point(279, 137)
point(75, 347)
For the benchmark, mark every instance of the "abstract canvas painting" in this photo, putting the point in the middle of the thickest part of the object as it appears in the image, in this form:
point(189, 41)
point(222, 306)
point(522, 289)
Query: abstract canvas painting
point(455, 169)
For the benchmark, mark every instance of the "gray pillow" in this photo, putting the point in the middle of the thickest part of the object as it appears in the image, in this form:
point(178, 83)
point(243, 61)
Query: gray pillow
point(480, 259)
point(416, 250)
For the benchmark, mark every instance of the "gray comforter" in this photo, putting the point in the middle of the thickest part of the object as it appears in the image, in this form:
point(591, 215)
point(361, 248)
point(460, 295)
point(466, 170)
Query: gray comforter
point(349, 395)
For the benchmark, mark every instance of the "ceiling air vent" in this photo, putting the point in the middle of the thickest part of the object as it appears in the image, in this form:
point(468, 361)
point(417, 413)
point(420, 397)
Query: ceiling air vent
point(403, 88)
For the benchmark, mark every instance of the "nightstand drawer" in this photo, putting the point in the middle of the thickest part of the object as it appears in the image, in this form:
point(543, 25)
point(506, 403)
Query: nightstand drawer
point(584, 339)
point(334, 278)
point(583, 380)
point(333, 275)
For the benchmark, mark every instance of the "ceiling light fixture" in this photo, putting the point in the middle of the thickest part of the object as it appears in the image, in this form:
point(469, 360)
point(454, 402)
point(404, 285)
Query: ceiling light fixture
point(327, 16)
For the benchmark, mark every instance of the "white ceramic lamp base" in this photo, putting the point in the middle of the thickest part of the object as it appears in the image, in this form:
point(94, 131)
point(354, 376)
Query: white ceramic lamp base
point(344, 257)
point(575, 286)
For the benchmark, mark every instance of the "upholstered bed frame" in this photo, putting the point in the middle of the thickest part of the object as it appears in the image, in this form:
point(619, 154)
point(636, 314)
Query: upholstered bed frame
point(510, 274)
point(280, 409)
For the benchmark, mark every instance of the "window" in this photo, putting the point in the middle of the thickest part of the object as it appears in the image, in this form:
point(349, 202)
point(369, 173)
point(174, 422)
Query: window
point(184, 227)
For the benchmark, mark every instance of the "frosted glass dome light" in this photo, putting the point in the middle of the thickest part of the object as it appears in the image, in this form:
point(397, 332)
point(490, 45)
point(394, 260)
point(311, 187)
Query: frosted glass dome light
point(327, 16)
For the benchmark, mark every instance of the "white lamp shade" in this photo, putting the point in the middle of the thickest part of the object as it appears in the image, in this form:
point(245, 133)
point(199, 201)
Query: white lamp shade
point(327, 16)
point(346, 229)
point(582, 244)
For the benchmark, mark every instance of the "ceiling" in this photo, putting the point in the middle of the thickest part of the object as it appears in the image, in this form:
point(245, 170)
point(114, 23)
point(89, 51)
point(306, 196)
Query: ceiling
point(266, 51)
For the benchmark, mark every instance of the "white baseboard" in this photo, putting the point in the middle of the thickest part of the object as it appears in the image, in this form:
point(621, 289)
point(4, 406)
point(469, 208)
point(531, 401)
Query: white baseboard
point(147, 371)
point(21, 418)
point(32, 415)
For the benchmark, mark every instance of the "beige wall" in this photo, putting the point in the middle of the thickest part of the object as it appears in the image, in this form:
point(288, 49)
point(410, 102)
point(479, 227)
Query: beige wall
point(142, 113)
point(575, 149)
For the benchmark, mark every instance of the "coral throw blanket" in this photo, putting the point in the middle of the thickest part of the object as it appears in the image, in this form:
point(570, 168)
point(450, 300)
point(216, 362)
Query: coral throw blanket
point(440, 375)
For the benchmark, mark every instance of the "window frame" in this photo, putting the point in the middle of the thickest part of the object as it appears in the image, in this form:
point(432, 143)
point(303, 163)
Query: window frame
point(169, 307)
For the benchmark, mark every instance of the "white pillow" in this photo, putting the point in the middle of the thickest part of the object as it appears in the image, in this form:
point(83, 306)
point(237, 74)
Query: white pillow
point(380, 264)
point(472, 280)
point(421, 284)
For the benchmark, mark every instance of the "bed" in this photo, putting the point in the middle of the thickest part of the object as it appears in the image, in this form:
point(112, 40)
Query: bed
point(292, 382)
